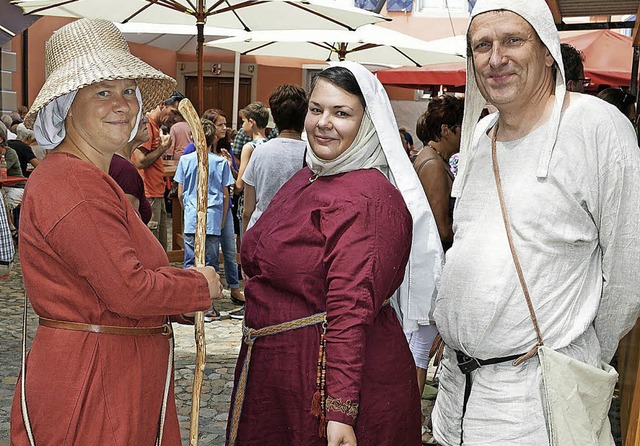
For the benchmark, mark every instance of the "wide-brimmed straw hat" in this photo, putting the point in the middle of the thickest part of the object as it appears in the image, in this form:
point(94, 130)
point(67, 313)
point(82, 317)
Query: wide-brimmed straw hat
point(89, 51)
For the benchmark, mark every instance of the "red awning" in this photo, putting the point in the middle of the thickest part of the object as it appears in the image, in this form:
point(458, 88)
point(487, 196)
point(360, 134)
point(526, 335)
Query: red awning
point(608, 58)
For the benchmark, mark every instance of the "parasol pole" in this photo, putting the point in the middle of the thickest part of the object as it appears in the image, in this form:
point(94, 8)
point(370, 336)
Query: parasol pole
point(201, 18)
point(191, 116)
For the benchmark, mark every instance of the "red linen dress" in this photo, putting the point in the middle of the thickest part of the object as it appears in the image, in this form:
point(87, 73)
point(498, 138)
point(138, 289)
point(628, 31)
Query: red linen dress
point(87, 257)
point(338, 244)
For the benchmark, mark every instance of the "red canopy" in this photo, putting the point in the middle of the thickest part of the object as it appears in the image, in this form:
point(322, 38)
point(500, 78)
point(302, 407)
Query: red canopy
point(608, 57)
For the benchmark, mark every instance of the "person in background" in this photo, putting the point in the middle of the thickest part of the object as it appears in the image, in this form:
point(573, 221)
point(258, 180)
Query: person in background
point(148, 160)
point(573, 60)
point(278, 159)
point(408, 139)
point(22, 111)
point(126, 175)
point(255, 117)
point(7, 121)
point(239, 140)
point(12, 194)
point(180, 138)
point(439, 130)
point(7, 248)
point(228, 234)
point(100, 367)
point(22, 146)
point(622, 99)
point(29, 137)
point(569, 166)
point(340, 367)
point(217, 203)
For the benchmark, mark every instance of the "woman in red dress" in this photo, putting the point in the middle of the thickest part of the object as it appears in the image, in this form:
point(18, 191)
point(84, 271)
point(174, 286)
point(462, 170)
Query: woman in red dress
point(99, 371)
point(324, 358)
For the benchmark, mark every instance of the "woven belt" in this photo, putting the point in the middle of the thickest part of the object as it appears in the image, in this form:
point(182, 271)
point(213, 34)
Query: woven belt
point(164, 329)
point(249, 337)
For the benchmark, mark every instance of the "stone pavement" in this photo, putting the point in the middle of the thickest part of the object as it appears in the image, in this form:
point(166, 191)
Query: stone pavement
point(223, 344)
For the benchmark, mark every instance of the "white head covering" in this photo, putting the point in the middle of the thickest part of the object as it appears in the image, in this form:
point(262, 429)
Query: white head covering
point(363, 153)
point(378, 141)
point(537, 13)
point(48, 125)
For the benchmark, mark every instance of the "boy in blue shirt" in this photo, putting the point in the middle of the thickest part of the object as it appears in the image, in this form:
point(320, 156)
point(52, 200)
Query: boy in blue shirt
point(217, 207)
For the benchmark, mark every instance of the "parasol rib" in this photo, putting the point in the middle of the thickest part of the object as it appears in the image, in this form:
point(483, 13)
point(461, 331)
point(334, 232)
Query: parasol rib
point(189, 113)
point(45, 8)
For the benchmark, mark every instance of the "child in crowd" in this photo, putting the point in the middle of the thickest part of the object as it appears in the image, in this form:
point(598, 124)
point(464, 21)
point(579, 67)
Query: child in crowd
point(218, 202)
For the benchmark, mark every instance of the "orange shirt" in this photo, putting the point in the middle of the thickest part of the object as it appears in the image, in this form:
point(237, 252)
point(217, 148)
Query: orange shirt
point(153, 175)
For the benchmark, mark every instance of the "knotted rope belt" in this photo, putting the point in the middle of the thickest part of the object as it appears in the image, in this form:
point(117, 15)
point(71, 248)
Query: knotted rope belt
point(250, 335)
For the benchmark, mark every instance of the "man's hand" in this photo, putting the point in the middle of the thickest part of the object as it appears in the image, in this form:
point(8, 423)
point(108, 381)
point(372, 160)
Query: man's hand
point(165, 141)
point(340, 434)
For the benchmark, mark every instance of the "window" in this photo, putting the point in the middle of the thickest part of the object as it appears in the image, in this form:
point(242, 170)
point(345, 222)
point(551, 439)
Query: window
point(442, 5)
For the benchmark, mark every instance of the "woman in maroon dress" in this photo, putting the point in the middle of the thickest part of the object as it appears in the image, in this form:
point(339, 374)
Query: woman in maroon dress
point(324, 358)
point(99, 371)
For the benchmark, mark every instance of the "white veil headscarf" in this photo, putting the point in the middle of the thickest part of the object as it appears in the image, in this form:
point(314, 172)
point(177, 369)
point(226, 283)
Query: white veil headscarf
point(378, 145)
point(49, 123)
point(537, 13)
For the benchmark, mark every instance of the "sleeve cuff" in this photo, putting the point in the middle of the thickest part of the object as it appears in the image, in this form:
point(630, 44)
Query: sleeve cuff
point(342, 411)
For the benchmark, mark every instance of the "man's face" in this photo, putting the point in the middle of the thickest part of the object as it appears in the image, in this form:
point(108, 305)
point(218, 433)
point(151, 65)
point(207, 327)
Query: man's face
point(169, 114)
point(512, 65)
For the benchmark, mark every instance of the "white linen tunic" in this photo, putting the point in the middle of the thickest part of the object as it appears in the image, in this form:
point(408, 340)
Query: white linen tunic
point(576, 234)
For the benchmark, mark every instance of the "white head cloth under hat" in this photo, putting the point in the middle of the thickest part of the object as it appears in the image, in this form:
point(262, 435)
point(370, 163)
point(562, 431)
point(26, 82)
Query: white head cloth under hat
point(537, 13)
point(89, 51)
point(414, 297)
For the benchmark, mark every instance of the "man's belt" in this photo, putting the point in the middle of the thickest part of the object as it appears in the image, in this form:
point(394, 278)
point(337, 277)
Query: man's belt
point(468, 364)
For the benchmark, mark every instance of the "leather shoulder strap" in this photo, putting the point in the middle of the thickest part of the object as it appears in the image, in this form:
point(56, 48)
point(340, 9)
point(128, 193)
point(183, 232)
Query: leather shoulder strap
point(514, 255)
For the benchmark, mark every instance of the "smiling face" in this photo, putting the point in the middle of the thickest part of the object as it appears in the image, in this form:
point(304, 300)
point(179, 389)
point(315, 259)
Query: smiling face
point(333, 119)
point(104, 114)
point(512, 65)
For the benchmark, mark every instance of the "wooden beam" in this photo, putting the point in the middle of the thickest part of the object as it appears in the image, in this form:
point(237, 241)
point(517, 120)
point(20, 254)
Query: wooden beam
point(555, 10)
point(594, 25)
point(636, 33)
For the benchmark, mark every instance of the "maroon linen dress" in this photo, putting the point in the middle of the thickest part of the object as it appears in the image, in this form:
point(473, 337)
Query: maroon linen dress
point(87, 257)
point(338, 244)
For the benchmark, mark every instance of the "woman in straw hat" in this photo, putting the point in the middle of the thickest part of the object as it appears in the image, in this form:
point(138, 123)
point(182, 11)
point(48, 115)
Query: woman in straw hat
point(324, 353)
point(99, 370)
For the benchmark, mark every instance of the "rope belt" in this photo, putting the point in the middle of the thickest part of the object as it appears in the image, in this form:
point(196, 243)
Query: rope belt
point(249, 337)
point(164, 329)
point(468, 364)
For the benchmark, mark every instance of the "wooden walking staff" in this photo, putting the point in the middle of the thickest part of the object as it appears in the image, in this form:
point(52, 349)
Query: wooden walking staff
point(191, 116)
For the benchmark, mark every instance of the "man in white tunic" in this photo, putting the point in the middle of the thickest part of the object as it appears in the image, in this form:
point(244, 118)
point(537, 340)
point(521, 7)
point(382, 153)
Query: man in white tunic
point(570, 170)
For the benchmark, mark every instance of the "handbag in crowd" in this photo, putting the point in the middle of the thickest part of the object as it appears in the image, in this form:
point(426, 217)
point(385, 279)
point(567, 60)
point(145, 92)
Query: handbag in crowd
point(576, 396)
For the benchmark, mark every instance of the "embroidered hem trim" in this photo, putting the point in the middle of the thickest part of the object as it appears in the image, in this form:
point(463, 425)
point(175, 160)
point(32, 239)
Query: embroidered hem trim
point(337, 405)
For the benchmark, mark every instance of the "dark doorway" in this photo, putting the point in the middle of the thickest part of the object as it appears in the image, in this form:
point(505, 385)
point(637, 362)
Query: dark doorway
point(218, 93)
